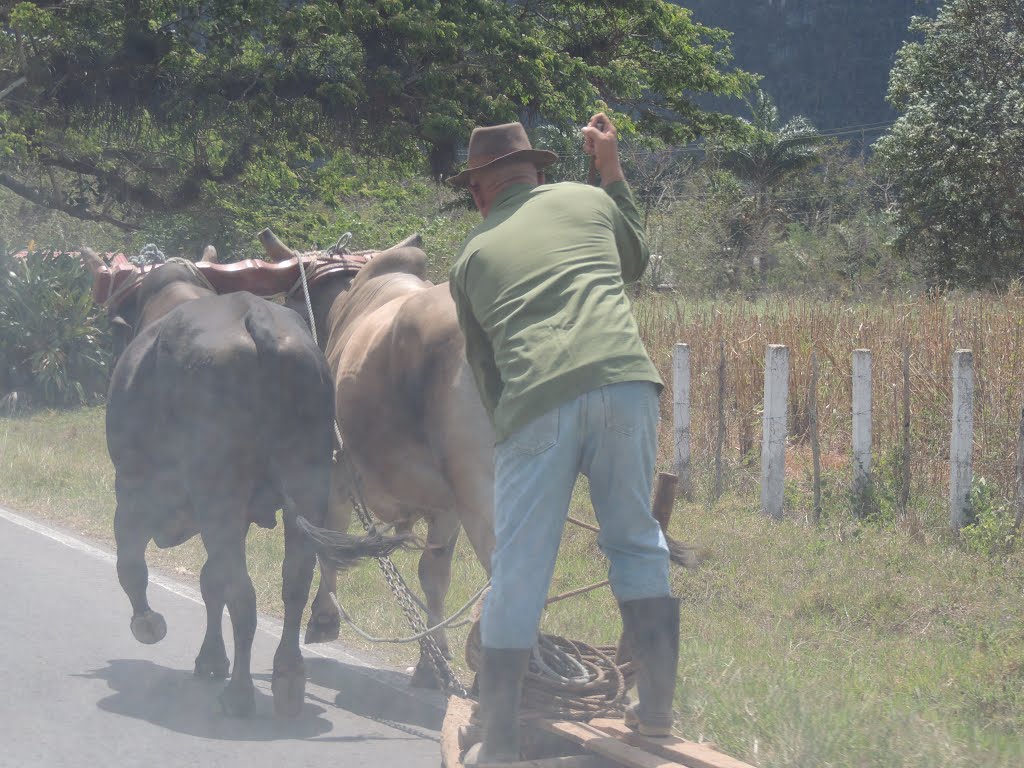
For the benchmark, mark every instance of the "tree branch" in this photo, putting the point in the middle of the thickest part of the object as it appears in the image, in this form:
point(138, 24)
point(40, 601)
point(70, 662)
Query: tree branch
point(78, 211)
point(19, 82)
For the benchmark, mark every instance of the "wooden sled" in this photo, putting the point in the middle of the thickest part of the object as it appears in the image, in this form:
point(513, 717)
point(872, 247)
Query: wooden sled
point(601, 743)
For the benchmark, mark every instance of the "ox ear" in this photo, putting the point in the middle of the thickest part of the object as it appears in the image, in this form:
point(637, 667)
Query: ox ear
point(210, 254)
point(91, 260)
point(412, 241)
point(122, 332)
point(276, 250)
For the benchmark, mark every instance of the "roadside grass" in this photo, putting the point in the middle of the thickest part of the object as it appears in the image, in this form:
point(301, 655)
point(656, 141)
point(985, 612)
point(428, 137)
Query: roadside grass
point(842, 644)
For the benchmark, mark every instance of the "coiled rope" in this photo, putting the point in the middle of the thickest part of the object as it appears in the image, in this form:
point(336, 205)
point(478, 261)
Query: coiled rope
point(567, 679)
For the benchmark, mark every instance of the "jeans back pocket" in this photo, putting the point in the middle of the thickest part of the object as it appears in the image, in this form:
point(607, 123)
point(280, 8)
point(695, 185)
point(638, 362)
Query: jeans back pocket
point(536, 436)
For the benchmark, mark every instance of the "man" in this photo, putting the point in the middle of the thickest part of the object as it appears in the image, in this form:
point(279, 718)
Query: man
point(554, 348)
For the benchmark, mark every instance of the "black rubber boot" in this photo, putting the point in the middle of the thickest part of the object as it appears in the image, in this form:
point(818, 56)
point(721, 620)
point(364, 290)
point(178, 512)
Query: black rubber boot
point(650, 630)
point(501, 687)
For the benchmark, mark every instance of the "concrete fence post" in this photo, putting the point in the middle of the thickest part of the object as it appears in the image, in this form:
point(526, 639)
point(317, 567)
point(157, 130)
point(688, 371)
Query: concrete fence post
point(773, 434)
point(861, 428)
point(681, 417)
point(962, 438)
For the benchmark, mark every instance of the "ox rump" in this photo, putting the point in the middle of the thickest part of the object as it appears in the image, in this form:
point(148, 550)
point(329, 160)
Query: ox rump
point(219, 413)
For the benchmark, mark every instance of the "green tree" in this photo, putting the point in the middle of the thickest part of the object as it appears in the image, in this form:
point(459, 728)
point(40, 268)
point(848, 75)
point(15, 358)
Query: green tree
point(957, 152)
point(112, 112)
point(768, 156)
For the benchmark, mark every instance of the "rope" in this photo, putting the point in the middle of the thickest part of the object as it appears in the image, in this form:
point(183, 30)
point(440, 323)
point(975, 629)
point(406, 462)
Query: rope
point(149, 256)
point(546, 656)
point(580, 591)
point(312, 323)
point(342, 245)
point(447, 623)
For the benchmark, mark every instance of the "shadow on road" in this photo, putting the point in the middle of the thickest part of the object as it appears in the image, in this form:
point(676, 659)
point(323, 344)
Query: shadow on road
point(377, 694)
point(177, 700)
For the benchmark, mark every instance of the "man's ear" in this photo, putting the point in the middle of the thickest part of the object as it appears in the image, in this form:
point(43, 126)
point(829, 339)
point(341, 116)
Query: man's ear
point(540, 176)
point(474, 190)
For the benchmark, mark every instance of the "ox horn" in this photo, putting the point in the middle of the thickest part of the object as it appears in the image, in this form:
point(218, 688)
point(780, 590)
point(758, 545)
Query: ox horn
point(210, 254)
point(276, 250)
point(92, 260)
point(412, 241)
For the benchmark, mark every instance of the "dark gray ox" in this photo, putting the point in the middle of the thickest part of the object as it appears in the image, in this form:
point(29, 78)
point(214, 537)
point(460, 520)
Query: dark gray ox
point(219, 414)
point(411, 418)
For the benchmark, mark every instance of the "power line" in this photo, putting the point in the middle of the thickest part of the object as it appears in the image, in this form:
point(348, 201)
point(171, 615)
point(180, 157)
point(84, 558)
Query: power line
point(847, 130)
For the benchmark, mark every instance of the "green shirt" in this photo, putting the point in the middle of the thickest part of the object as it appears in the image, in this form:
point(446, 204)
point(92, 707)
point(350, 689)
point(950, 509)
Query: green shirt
point(539, 291)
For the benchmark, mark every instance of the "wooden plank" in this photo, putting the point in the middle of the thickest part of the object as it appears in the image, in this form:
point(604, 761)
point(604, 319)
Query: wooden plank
point(460, 711)
point(572, 761)
point(458, 714)
point(601, 743)
point(688, 753)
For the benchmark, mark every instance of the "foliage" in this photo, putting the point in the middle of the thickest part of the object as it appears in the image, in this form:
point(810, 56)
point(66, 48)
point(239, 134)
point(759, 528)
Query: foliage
point(956, 151)
point(171, 108)
point(784, 211)
point(51, 343)
point(991, 527)
point(774, 151)
point(759, 164)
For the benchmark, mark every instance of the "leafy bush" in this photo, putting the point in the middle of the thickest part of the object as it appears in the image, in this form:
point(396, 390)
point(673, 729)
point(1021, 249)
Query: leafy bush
point(51, 341)
point(991, 529)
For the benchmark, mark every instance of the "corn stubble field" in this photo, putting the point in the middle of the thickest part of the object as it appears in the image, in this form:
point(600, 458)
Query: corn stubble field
point(876, 642)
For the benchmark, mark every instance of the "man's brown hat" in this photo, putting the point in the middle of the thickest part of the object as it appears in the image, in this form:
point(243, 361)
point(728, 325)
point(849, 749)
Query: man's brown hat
point(493, 144)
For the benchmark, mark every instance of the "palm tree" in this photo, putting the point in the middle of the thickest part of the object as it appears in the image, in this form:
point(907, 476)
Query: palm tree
point(774, 152)
point(762, 162)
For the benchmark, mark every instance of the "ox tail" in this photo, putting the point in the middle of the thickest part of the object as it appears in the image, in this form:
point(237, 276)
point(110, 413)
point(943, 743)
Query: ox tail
point(344, 550)
point(683, 554)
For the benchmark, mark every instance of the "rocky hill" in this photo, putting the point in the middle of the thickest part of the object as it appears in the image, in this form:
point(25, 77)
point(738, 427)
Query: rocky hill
point(828, 60)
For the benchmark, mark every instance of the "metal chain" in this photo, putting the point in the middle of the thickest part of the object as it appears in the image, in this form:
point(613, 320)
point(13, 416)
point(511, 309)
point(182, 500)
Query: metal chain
point(443, 671)
point(409, 729)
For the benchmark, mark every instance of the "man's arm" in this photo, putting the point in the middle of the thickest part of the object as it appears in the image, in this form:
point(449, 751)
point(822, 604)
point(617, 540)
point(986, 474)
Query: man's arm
point(630, 238)
point(600, 140)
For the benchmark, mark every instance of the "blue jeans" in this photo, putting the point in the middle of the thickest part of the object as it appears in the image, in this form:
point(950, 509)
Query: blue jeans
point(610, 435)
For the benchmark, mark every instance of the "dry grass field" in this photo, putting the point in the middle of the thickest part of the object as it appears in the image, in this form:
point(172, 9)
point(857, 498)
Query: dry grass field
point(930, 329)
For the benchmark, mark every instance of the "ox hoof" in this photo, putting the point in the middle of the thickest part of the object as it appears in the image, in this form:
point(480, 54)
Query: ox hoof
point(289, 692)
point(237, 701)
point(149, 627)
point(469, 735)
point(322, 628)
point(215, 668)
point(423, 677)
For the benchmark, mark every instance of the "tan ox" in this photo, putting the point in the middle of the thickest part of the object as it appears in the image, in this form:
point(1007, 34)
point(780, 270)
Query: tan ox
point(410, 417)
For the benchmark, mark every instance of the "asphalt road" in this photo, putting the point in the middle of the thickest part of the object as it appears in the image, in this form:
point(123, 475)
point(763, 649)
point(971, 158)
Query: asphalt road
point(78, 690)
